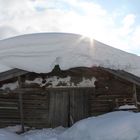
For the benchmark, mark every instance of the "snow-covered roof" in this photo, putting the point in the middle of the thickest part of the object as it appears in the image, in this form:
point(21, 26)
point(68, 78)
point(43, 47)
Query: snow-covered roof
point(41, 52)
point(4, 68)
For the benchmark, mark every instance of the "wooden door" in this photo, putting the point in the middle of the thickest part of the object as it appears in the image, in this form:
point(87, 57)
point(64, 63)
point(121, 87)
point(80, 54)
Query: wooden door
point(58, 108)
point(68, 106)
point(79, 105)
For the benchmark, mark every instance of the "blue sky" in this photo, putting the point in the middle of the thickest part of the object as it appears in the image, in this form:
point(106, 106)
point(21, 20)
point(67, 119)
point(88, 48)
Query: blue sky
point(113, 22)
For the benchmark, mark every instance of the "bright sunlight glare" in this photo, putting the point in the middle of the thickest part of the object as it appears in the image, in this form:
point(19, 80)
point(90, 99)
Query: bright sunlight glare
point(89, 27)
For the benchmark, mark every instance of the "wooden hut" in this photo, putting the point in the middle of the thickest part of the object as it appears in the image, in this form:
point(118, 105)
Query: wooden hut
point(61, 78)
point(61, 98)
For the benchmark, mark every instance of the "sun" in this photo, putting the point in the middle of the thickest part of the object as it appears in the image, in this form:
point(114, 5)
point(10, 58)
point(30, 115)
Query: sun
point(85, 25)
point(86, 29)
point(88, 34)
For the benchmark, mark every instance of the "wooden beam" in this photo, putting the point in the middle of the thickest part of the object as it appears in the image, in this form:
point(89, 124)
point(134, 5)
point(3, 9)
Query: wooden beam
point(21, 105)
point(135, 95)
point(124, 75)
point(36, 90)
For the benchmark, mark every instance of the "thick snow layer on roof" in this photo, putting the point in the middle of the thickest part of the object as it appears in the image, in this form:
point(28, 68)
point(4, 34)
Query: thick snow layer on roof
point(41, 52)
point(4, 68)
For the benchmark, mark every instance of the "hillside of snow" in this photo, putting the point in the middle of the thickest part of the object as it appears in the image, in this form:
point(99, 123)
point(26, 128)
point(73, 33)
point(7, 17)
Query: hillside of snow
point(41, 52)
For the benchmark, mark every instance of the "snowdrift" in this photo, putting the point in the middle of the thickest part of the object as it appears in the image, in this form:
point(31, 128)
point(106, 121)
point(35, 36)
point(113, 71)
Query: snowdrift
point(111, 126)
point(7, 135)
point(41, 52)
point(121, 125)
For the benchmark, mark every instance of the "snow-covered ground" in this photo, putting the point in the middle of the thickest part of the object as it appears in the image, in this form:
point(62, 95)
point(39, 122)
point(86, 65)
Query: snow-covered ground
point(7, 135)
point(41, 52)
point(121, 125)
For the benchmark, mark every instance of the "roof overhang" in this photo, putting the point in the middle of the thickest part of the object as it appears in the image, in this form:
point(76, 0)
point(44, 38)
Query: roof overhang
point(119, 73)
point(124, 75)
point(11, 74)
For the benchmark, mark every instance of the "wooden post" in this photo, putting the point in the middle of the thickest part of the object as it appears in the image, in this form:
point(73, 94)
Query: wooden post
point(21, 111)
point(117, 104)
point(21, 105)
point(69, 111)
point(135, 94)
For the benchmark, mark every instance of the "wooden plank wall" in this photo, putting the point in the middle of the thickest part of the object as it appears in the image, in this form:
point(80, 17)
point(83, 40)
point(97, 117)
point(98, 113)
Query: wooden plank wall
point(9, 111)
point(35, 109)
point(109, 94)
point(39, 103)
point(68, 105)
point(49, 108)
point(45, 108)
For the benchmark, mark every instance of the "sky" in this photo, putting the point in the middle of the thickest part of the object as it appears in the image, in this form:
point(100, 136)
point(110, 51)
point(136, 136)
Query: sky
point(113, 22)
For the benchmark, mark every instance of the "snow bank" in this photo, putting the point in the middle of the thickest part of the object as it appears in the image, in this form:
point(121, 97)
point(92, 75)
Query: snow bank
point(41, 52)
point(7, 135)
point(111, 126)
point(16, 128)
point(127, 107)
point(119, 125)
point(44, 134)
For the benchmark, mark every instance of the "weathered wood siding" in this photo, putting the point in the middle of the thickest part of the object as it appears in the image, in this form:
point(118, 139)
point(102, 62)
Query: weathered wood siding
point(9, 111)
point(79, 103)
point(51, 107)
point(35, 109)
point(68, 105)
point(45, 108)
point(58, 108)
point(110, 92)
